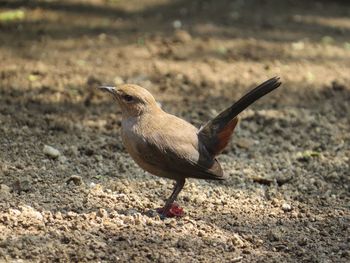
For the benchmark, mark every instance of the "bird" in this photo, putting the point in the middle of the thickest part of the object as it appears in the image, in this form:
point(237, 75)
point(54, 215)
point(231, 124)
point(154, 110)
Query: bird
point(170, 147)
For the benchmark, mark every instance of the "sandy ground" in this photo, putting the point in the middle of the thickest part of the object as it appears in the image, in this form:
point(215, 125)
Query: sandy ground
point(287, 196)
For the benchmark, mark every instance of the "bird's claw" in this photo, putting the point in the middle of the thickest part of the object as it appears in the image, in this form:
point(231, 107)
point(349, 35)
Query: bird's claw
point(174, 211)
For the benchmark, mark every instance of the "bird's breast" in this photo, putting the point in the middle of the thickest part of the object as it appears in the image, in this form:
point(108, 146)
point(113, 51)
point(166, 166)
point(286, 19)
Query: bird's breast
point(136, 145)
point(131, 137)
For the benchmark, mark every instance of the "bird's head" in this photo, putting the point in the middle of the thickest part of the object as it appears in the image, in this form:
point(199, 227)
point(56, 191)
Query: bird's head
point(133, 99)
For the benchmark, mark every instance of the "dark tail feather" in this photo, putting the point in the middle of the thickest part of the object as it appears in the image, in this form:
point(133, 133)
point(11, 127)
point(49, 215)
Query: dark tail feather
point(253, 96)
point(216, 133)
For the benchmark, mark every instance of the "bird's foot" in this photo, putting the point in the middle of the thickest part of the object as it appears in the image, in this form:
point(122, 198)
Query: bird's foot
point(174, 211)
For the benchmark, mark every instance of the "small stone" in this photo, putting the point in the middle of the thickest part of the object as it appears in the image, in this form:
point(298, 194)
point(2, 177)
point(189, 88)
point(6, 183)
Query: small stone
point(182, 36)
point(73, 151)
point(99, 244)
point(102, 36)
point(5, 191)
point(139, 220)
point(102, 213)
point(295, 214)
point(259, 242)
point(262, 180)
point(201, 233)
point(237, 240)
point(76, 179)
point(299, 45)
point(5, 188)
point(283, 179)
point(15, 212)
point(152, 213)
point(22, 185)
point(303, 241)
point(51, 152)
point(58, 215)
point(244, 143)
point(62, 159)
point(30, 212)
point(118, 80)
point(200, 200)
point(99, 158)
point(286, 207)
point(72, 214)
point(131, 212)
point(274, 202)
point(274, 235)
point(177, 24)
point(237, 259)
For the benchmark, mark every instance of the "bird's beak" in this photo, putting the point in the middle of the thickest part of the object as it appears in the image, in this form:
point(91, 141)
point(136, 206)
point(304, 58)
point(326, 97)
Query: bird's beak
point(113, 90)
point(109, 89)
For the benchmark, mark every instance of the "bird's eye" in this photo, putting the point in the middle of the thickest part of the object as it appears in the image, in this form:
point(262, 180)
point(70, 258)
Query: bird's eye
point(128, 98)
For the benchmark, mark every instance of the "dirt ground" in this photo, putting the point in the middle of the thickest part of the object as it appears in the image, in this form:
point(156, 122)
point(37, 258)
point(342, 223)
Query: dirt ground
point(287, 196)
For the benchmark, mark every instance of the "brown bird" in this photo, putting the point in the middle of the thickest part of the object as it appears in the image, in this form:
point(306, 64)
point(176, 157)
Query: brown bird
point(170, 147)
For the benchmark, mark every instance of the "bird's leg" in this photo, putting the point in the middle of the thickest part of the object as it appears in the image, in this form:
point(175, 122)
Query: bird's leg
point(177, 189)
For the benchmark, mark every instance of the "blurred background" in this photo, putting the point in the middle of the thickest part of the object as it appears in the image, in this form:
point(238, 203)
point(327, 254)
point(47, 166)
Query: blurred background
point(287, 196)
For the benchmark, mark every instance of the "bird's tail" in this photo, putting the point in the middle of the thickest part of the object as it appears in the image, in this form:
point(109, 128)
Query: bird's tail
point(251, 97)
point(217, 132)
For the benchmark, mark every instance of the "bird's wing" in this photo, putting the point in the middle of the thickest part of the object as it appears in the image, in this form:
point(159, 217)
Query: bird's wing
point(216, 134)
point(175, 150)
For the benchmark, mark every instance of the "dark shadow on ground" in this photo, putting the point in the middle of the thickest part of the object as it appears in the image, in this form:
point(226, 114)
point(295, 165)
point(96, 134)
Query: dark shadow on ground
point(204, 19)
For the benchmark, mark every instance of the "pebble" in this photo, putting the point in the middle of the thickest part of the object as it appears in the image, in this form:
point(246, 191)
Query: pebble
point(102, 213)
point(299, 45)
point(15, 212)
point(182, 36)
point(62, 159)
point(286, 207)
point(30, 212)
point(73, 150)
point(303, 241)
point(274, 236)
point(237, 240)
point(22, 185)
point(201, 233)
point(58, 215)
point(51, 152)
point(177, 24)
point(131, 212)
point(237, 259)
point(5, 188)
point(76, 179)
point(152, 213)
point(118, 80)
point(244, 143)
point(274, 202)
point(72, 214)
point(5, 191)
